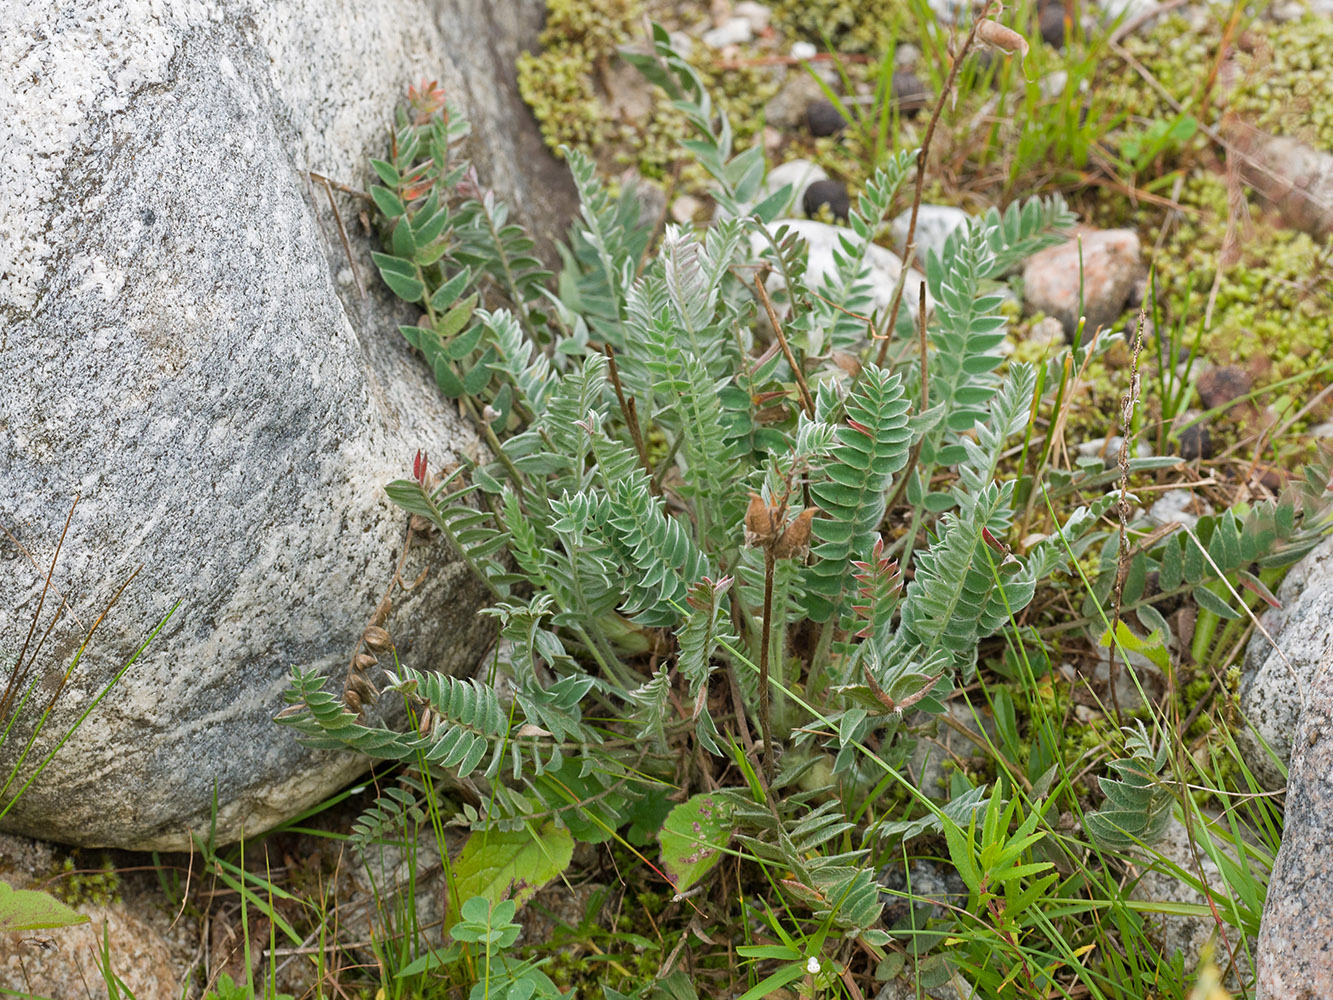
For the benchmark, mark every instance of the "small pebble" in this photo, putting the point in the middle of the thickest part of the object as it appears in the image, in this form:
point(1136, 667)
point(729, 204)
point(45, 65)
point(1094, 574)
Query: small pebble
point(823, 118)
point(756, 13)
point(685, 209)
point(1196, 442)
point(910, 94)
point(827, 192)
point(1219, 386)
point(1051, 21)
point(803, 50)
point(736, 31)
point(1177, 507)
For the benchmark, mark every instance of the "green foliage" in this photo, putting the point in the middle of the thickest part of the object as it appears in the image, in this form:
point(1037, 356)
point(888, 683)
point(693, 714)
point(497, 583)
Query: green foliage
point(1138, 803)
point(648, 615)
point(28, 910)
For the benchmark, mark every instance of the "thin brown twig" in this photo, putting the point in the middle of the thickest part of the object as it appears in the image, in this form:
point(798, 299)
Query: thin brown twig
point(342, 235)
point(631, 414)
point(909, 249)
point(345, 189)
point(925, 404)
point(807, 401)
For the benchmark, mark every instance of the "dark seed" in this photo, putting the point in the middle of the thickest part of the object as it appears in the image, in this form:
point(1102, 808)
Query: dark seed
point(830, 193)
point(823, 118)
point(1219, 386)
point(909, 93)
point(1196, 442)
point(1051, 20)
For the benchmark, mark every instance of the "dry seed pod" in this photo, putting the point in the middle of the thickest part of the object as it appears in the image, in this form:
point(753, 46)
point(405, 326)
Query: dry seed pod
point(376, 638)
point(363, 688)
point(795, 541)
point(381, 614)
point(419, 524)
point(352, 700)
point(364, 661)
point(427, 723)
point(1007, 40)
point(761, 522)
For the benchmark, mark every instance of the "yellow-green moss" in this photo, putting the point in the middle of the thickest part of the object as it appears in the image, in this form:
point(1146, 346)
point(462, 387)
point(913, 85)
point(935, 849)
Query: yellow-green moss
point(1271, 304)
point(78, 887)
point(860, 26)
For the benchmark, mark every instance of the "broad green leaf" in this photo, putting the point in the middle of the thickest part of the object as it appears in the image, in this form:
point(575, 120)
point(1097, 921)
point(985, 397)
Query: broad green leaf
point(387, 202)
point(693, 838)
point(498, 865)
point(1152, 647)
point(30, 910)
point(407, 289)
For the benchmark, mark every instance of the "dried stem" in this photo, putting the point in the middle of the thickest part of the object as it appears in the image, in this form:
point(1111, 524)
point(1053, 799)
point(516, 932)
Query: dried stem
point(807, 401)
point(765, 636)
point(1127, 403)
point(909, 251)
point(631, 414)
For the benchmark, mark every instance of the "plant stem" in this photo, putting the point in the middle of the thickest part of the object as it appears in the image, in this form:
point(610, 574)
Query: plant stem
point(765, 634)
point(909, 250)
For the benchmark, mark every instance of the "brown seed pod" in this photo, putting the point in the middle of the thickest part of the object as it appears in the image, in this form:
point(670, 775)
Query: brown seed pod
point(352, 700)
point(420, 525)
point(427, 722)
point(376, 639)
point(996, 35)
point(364, 661)
point(363, 688)
point(795, 541)
point(762, 522)
point(381, 614)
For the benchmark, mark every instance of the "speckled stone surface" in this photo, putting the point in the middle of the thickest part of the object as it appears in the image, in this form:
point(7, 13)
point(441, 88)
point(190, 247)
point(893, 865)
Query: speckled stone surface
point(1295, 960)
point(183, 344)
point(1270, 693)
point(1052, 281)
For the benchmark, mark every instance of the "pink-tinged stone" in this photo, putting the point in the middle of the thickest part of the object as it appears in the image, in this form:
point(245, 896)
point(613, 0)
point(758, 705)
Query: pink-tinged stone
point(1296, 179)
point(1111, 264)
point(1295, 954)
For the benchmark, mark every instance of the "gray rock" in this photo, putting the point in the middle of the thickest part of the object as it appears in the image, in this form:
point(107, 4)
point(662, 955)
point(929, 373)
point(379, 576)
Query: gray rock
point(735, 31)
point(1187, 934)
point(1277, 680)
point(800, 174)
point(1295, 178)
point(227, 409)
point(821, 239)
point(757, 14)
point(1111, 264)
point(786, 109)
point(1295, 955)
point(934, 223)
point(939, 742)
point(1178, 507)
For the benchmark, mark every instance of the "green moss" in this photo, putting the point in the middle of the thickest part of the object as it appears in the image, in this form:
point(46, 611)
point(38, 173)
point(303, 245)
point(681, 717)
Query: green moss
point(1272, 312)
point(859, 26)
point(78, 887)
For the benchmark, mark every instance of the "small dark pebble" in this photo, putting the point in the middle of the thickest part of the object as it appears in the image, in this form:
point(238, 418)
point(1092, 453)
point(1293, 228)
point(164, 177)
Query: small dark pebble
point(830, 193)
point(823, 118)
point(910, 93)
point(1051, 20)
point(1219, 386)
point(1196, 442)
